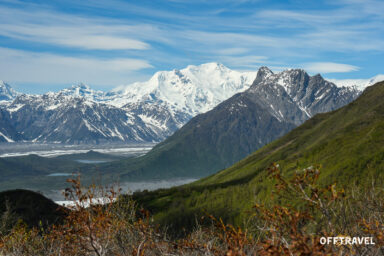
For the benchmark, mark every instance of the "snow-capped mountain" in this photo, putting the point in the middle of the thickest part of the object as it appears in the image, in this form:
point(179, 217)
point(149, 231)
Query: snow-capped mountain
point(170, 98)
point(6, 92)
point(141, 112)
point(56, 117)
point(151, 111)
point(273, 105)
point(359, 84)
point(294, 96)
point(194, 90)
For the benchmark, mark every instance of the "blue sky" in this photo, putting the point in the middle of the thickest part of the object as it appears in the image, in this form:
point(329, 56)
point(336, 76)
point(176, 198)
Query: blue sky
point(48, 45)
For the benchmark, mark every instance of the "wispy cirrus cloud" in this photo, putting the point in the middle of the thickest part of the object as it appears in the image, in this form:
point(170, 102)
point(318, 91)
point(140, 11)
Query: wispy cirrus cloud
point(329, 67)
point(69, 31)
point(85, 37)
point(32, 67)
point(349, 25)
point(244, 62)
point(232, 51)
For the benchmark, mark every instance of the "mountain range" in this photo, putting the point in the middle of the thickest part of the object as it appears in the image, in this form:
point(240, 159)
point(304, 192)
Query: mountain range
point(147, 111)
point(141, 112)
point(272, 106)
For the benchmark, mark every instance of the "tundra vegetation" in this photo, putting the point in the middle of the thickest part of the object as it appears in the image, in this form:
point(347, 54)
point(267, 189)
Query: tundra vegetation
point(291, 221)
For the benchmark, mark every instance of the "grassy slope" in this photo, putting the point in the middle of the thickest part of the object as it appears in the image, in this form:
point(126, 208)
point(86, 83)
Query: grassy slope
point(347, 143)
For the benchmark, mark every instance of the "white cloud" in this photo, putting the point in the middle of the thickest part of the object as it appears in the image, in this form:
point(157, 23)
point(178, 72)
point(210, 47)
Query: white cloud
point(243, 61)
point(329, 67)
point(71, 31)
point(225, 39)
point(83, 37)
point(351, 25)
point(285, 17)
point(31, 67)
point(232, 51)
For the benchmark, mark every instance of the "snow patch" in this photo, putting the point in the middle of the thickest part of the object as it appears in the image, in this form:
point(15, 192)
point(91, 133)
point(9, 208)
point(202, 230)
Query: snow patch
point(6, 138)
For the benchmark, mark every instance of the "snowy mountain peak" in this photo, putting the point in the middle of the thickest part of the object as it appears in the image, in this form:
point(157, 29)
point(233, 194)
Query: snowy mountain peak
point(194, 89)
point(84, 91)
point(81, 86)
point(359, 84)
point(262, 74)
point(265, 70)
point(295, 89)
point(317, 77)
point(7, 93)
point(375, 79)
point(210, 66)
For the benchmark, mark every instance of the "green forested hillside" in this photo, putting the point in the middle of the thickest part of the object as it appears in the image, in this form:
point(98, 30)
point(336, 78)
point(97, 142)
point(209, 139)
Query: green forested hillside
point(347, 144)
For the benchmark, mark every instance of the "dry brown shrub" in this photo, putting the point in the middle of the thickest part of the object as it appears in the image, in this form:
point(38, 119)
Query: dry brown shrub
point(121, 228)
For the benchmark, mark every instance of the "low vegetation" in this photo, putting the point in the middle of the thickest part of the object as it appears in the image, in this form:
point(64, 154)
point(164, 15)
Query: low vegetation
point(306, 211)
